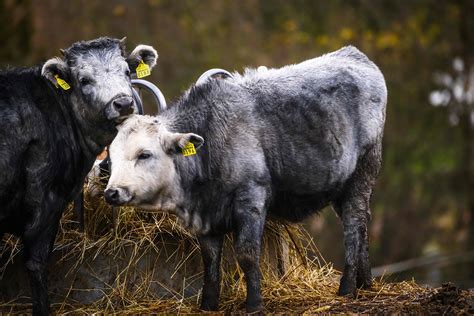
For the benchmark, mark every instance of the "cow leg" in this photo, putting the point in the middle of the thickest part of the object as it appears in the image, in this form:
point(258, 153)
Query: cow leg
point(364, 273)
point(249, 220)
point(79, 210)
point(211, 249)
point(353, 207)
point(357, 266)
point(38, 249)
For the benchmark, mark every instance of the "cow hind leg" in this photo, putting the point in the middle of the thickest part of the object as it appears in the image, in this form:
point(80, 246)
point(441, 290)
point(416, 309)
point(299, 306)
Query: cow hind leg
point(364, 274)
point(357, 265)
point(353, 206)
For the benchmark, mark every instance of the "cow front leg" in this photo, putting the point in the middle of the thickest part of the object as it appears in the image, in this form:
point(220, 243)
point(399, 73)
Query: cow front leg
point(38, 250)
point(249, 221)
point(211, 249)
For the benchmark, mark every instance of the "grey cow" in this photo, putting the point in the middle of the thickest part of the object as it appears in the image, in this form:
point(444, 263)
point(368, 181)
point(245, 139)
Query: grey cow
point(272, 143)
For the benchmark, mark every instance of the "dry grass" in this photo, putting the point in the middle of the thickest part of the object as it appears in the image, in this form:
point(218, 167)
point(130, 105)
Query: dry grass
point(307, 286)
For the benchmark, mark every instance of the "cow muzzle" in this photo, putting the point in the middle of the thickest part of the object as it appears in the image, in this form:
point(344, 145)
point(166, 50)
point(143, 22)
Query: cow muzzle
point(117, 196)
point(120, 108)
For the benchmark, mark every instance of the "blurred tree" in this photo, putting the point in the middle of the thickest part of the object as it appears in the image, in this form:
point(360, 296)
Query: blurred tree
point(457, 94)
point(466, 29)
point(420, 200)
point(15, 30)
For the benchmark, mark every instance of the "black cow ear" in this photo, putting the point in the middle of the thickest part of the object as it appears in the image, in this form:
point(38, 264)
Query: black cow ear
point(54, 67)
point(144, 53)
point(175, 142)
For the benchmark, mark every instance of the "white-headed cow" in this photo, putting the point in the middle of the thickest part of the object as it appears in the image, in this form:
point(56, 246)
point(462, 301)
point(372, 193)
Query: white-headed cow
point(55, 119)
point(272, 143)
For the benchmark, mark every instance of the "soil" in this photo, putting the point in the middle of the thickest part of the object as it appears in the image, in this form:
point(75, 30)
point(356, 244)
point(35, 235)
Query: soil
point(446, 300)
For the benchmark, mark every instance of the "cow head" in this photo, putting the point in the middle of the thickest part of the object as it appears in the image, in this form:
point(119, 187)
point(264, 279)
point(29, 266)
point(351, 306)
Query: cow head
point(143, 171)
point(98, 74)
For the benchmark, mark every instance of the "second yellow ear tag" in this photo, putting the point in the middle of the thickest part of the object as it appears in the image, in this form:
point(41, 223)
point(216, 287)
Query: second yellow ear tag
point(143, 70)
point(189, 149)
point(63, 84)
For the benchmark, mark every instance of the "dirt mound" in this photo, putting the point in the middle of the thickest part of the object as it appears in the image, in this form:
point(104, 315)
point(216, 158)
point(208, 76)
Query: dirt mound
point(450, 300)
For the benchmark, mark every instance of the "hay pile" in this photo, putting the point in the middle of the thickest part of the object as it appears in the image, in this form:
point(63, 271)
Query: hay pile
point(296, 283)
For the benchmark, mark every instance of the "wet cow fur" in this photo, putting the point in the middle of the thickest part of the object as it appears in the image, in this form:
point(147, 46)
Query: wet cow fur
point(49, 139)
point(280, 143)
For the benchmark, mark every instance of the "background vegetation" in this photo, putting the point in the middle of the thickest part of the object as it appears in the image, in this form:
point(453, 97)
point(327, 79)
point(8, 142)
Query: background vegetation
point(423, 205)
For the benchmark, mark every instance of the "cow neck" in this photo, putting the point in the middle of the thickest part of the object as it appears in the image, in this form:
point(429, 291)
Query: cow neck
point(204, 113)
point(62, 101)
point(64, 104)
point(92, 141)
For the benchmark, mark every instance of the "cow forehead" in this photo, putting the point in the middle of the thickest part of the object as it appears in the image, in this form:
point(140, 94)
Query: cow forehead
point(107, 74)
point(141, 123)
point(104, 62)
point(129, 147)
point(131, 143)
point(135, 136)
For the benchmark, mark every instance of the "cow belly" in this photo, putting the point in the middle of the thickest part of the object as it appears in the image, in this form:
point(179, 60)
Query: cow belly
point(314, 176)
point(294, 207)
point(307, 181)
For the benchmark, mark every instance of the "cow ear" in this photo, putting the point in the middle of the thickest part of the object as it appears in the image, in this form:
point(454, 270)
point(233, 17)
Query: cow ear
point(144, 53)
point(54, 67)
point(176, 142)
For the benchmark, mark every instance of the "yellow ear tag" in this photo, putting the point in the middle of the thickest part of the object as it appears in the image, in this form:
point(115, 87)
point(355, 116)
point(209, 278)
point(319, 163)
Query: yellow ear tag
point(63, 84)
point(189, 149)
point(143, 70)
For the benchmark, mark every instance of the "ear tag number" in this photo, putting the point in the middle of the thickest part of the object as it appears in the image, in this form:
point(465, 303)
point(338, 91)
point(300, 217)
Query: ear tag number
point(189, 150)
point(63, 84)
point(143, 70)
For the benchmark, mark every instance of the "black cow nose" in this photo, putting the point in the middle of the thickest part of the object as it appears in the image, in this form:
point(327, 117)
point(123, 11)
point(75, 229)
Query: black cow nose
point(112, 196)
point(123, 105)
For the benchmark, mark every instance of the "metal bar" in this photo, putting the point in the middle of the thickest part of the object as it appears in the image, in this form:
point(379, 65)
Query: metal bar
point(138, 101)
point(157, 94)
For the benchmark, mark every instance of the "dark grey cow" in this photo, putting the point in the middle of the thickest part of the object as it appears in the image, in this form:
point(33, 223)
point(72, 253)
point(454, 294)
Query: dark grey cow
point(272, 143)
point(49, 138)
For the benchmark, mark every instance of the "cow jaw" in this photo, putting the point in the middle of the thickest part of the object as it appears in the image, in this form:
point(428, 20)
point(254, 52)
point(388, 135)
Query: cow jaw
point(161, 202)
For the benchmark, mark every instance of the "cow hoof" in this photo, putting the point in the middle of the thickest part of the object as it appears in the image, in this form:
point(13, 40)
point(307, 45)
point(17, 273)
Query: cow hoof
point(347, 289)
point(209, 307)
point(254, 309)
point(347, 293)
point(365, 283)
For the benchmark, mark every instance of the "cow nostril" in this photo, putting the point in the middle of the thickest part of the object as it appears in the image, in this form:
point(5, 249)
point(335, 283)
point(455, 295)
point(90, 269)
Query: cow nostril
point(123, 104)
point(117, 105)
point(111, 195)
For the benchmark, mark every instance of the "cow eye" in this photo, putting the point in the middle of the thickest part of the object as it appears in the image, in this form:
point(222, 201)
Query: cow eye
point(85, 81)
point(127, 73)
point(144, 156)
